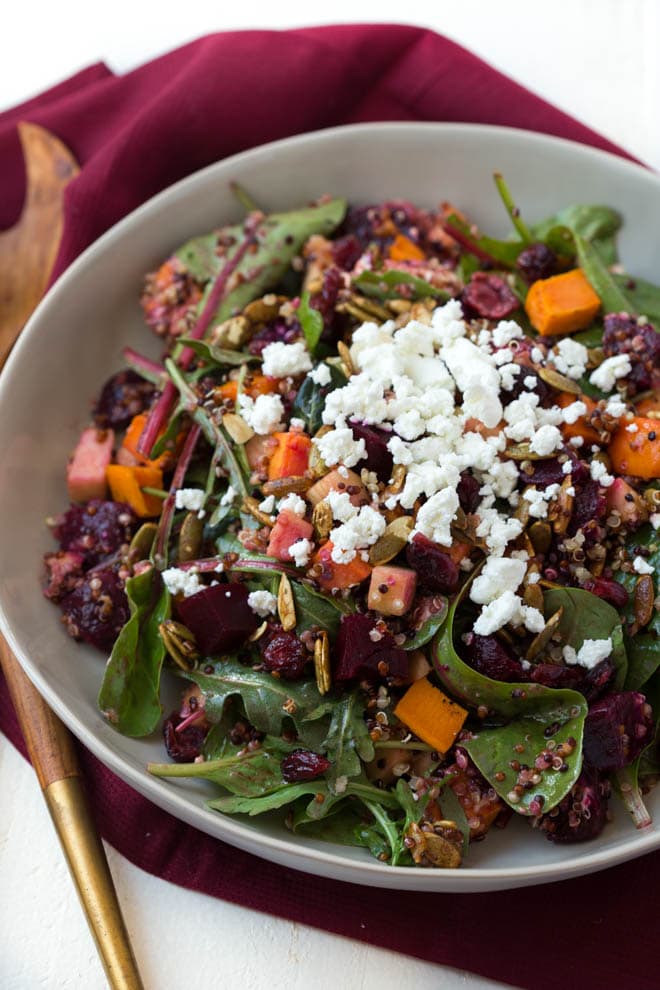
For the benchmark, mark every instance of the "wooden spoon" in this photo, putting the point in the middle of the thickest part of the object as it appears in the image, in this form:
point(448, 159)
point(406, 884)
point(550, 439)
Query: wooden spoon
point(27, 255)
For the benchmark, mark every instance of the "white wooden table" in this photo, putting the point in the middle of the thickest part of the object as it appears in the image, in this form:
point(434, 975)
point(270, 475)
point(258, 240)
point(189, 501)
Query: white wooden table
point(596, 59)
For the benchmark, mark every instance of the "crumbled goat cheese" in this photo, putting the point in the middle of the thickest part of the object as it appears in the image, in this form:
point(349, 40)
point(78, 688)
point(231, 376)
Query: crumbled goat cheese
point(536, 355)
point(263, 603)
point(300, 552)
point(178, 582)
point(189, 498)
point(590, 653)
point(573, 412)
point(228, 496)
point(341, 505)
point(296, 424)
point(539, 500)
point(268, 504)
point(599, 473)
point(435, 517)
point(505, 332)
point(615, 407)
point(545, 440)
point(281, 360)
point(576, 442)
point(508, 609)
point(264, 414)
point(340, 446)
point(292, 503)
point(529, 381)
point(641, 566)
point(321, 375)
point(499, 574)
point(569, 358)
point(567, 467)
point(606, 374)
point(362, 530)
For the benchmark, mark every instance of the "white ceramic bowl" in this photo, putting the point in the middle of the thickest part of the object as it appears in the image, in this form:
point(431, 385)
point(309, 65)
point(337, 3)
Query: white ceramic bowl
point(73, 342)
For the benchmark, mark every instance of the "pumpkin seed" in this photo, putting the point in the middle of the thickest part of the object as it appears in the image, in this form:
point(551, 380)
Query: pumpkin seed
point(322, 520)
point(392, 541)
point(284, 486)
point(533, 596)
point(322, 663)
point(258, 632)
point(541, 640)
point(191, 535)
point(523, 452)
point(561, 508)
point(643, 601)
point(540, 533)
point(237, 428)
point(399, 306)
point(179, 643)
point(429, 848)
point(286, 608)
point(233, 333)
point(265, 309)
point(370, 306)
point(560, 382)
point(251, 506)
point(346, 359)
point(142, 542)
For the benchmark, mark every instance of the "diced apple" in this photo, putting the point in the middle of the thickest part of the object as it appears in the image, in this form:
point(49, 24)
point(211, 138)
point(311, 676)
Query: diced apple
point(339, 481)
point(288, 529)
point(85, 473)
point(392, 590)
point(630, 505)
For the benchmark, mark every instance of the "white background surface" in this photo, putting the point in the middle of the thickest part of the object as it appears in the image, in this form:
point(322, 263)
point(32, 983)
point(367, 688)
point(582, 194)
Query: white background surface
point(596, 59)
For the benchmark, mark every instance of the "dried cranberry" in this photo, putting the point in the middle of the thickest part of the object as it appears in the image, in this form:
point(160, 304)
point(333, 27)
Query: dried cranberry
point(96, 530)
point(378, 459)
point(468, 492)
point(589, 506)
point(303, 764)
point(536, 261)
point(184, 746)
point(366, 650)
point(616, 730)
point(96, 609)
point(582, 814)
point(435, 568)
point(276, 330)
point(623, 335)
point(556, 675)
point(488, 656)
point(346, 251)
point(284, 654)
point(488, 296)
point(123, 396)
point(609, 591)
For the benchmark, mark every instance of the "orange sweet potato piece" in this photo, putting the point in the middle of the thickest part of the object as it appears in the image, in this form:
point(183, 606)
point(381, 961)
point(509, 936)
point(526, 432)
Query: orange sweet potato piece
point(403, 249)
point(253, 386)
point(126, 483)
point(637, 454)
point(431, 715)
point(581, 426)
point(339, 575)
point(291, 456)
point(128, 453)
point(562, 304)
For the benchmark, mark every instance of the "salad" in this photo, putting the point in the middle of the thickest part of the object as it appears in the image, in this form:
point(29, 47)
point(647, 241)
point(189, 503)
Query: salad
point(388, 508)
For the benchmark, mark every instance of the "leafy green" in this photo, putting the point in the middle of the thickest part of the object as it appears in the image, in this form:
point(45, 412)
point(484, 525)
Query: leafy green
point(413, 812)
point(627, 785)
point(386, 285)
point(644, 296)
point(425, 633)
point(597, 224)
point(504, 252)
point(453, 810)
point(644, 647)
point(263, 696)
point(130, 693)
point(586, 616)
point(310, 400)
point(313, 608)
point(511, 208)
point(348, 740)
point(311, 322)
point(280, 238)
point(315, 810)
point(248, 773)
point(222, 356)
point(612, 298)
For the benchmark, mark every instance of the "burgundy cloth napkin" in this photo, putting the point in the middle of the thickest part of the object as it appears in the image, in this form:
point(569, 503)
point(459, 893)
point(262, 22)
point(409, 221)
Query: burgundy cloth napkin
point(136, 134)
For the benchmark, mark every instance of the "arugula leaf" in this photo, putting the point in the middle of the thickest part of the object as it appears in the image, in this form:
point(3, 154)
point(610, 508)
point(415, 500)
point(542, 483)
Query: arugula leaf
point(612, 298)
point(280, 238)
point(130, 693)
point(413, 811)
point(347, 741)
point(313, 608)
point(385, 285)
point(213, 354)
point(311, 322)
point(315, 810)
point(310, 400)
point(383, 826)
point(586, 616)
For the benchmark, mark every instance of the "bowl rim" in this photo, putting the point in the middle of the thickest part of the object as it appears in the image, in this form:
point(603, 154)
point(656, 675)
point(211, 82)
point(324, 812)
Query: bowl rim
point(307, 858)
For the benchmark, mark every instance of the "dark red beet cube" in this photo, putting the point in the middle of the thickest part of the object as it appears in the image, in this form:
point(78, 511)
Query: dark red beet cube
point(366, 652)
point(488, 656)
point(378, 459)
point(616, 730)
point(219, 617)
point(435, 569)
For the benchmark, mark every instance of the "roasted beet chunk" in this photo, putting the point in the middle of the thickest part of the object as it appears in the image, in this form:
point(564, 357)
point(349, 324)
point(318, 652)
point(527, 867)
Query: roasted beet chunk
point(283, 654)
point(378, 459)
point(96, 609)
point(435, 568)
point(303, 765)
point(536, 261)
point(122, 397)
point(346, 251)
point(623, 335)
point(366, 651)
point(219, 617)
point(583, 812)
point(64, 569)
point(556, 675)
point(184, 745)
point(589, 507)
point(488, 296)
point(95, 530)
point(616, 730)
point(488, 656)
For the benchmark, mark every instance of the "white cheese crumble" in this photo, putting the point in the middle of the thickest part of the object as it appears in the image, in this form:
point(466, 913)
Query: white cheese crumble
point(281, 360)
point(293, 503)
point(263, 603)
point(606, 374)
point(264, 414)
point(545, 440)
point(268, 504)
point(321, 375)
point(189, 498)
point(655, 520)
point(340, 446)
point(641, 566)
point(178, 582)
point(590, 653)
point(632, 428)
point(539, 500)
point(599, 473)
point(615, 407)
point(508, 609)
point(435, 517)
point(499, 574)
point(341, 505)
point(569, 358)
point(573, 411)
point(228, 496)
point(300, 552)
point(361, 530)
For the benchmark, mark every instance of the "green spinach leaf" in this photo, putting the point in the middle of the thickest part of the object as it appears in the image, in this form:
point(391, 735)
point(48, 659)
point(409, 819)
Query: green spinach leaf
point(311, 322)
point(612, 298)
point(644, 296)
point(597, 224)
point(310, 400)
point(586, 616)
point(644, 647)
point(221, 356)
point(386, 285)
point(313, 608)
